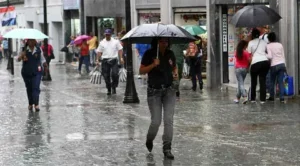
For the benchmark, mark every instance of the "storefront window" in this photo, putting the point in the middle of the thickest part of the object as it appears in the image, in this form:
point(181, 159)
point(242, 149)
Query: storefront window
point(148, 18)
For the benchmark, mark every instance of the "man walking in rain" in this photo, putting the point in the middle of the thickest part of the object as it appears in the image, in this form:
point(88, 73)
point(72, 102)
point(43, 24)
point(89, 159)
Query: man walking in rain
point(161, 96)
point(109, 49)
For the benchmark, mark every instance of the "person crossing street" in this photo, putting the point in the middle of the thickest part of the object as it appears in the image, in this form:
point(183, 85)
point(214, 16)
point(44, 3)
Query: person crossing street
point(108, 50)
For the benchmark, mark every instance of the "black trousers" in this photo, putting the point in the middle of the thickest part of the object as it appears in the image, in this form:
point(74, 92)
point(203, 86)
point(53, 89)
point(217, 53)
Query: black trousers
point(110, 72)
point(196, 72)
point(259, 70)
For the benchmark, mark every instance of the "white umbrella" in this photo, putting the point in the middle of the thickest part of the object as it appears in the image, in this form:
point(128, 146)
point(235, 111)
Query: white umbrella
point(25, 34)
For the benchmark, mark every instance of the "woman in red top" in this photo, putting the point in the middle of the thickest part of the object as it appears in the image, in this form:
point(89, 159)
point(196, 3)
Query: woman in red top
point(242, 61)
point(84, 56)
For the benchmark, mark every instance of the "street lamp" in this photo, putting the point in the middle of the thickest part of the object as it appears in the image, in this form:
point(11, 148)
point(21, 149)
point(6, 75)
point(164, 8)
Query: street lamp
point(46, 76)
point(130, 92)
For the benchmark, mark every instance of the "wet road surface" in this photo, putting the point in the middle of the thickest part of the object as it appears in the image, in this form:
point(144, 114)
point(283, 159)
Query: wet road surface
point(79, 125)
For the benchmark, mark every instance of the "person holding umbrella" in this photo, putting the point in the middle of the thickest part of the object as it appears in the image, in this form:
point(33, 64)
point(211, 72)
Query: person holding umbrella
point(84, 56)
point(161, 70)
point(260, 65)
point(109, 49)
point(32, 69)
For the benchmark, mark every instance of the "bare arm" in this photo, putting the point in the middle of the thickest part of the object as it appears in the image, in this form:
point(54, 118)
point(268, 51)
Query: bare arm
point(146, 69)
point(120, 52)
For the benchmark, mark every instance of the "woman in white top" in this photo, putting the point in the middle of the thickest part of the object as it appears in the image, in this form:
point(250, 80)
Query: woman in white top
point(259, 65)
point(276, 55)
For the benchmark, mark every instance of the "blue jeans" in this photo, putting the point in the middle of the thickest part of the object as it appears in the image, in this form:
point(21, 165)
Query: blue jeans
point(85, 60)
point(241, 74)
point(92, 56)
point(32, 83)
point(161, 102)
point(277, 72)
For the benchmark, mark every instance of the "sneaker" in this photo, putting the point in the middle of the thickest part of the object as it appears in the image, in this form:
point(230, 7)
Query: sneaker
point(270, 99)
point(282, 101)
point(169, 155)
point(201, 86)
point(114, 91)
point(262, 102)
point(149, 145)
point(245, 100)
point(253, 101)
point(194, 89)
point(236, 101)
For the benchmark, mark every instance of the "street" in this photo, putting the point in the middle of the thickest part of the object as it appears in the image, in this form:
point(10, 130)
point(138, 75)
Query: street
point(78, 125)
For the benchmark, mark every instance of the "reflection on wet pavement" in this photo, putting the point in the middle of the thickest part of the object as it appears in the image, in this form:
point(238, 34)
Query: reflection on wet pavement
point(79, 125)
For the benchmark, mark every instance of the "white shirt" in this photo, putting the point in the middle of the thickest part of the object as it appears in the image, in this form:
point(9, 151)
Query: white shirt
point(264, 37)
point(261, 52)
point(109, 49)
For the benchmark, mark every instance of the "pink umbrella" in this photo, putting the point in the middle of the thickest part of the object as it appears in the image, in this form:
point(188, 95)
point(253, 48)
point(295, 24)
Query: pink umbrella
point(81, 38)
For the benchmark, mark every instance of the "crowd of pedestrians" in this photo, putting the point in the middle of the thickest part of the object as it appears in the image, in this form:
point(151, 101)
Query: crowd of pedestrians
point(264, 58)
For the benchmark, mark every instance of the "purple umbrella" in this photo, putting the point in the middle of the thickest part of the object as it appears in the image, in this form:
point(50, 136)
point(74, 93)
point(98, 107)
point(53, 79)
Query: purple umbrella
point(81, 38)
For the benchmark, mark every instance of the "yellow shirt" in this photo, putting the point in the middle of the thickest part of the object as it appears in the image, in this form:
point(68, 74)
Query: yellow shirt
point(92, 43)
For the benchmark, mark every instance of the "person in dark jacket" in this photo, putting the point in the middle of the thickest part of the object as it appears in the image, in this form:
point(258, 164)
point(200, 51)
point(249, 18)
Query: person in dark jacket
point(161, 95)
point(32, 69)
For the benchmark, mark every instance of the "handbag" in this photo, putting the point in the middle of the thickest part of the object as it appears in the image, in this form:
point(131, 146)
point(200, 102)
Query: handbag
point(288, 85)
point(52, 55)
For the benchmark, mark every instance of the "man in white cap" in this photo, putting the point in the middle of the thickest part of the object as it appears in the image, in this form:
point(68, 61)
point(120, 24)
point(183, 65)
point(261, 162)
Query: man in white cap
point(109, 50)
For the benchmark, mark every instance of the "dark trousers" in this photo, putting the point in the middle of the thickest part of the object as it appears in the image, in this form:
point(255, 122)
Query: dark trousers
point(86, 61)
point(32, 84)
point(110, 72)
point(277, 73)
point(195, 71)
point(46, 73)
point(260, 70)
point(6, 53)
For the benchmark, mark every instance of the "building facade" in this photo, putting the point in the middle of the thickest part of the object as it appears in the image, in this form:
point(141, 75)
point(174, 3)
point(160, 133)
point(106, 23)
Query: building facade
point(103, 14)
point(223, 37)
point(188, 12)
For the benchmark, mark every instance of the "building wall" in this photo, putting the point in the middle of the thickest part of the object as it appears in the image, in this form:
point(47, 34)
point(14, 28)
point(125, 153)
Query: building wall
point(105, 8)
point(33, 10)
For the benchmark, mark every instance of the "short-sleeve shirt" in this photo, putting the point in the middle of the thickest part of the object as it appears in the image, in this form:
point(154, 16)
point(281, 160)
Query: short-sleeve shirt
point(142, 48)
point(92, 43)
point(84, 50)
point(162, 75)
point(109, 49)
point(258, 49)
point(242, 62)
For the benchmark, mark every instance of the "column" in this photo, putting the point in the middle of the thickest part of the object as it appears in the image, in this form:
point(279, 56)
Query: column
point(213, 63)
point(166, 11)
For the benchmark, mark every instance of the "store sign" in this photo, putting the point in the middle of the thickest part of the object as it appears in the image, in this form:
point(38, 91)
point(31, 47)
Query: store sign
point(224, 32)
point(71, 4)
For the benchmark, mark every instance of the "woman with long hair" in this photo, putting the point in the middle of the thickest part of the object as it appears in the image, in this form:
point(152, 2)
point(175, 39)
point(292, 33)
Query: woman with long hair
point(259, 65)
point(242, 61)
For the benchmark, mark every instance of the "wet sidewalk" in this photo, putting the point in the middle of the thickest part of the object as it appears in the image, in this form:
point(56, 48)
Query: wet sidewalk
point(79, 125)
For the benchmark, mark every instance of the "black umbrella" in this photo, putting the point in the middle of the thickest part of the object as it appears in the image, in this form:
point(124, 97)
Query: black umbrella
point(255, 16)
point(145, 33)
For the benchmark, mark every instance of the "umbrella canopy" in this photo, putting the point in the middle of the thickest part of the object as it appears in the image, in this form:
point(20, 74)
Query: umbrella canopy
point(194, 29)
point(80, 39)
point(25, 34)
point(147, 32)
point(255, 16)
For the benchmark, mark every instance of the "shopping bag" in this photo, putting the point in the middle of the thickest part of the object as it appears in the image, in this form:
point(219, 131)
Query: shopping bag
point(96, 75)
point(288, 85)
point(122, 74)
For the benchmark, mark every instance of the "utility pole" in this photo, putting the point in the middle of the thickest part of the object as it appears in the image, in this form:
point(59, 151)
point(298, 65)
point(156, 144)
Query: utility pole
point(82, 26)
point(10, 62)
point(130, 92)
point(46, 75)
